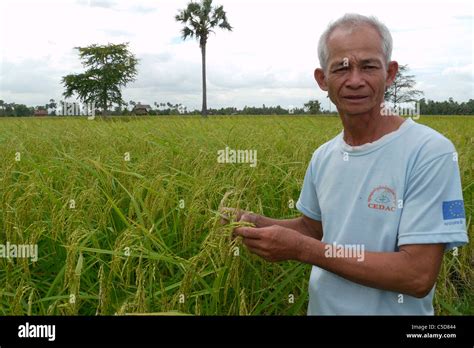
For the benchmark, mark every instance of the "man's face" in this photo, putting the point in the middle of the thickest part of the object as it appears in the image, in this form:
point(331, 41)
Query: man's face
point(356, 73)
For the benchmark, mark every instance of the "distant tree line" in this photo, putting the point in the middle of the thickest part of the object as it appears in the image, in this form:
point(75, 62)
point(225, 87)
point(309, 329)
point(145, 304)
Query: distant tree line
point(14, 109)
point(450, 107)
point(312, 107)
point(126, 109)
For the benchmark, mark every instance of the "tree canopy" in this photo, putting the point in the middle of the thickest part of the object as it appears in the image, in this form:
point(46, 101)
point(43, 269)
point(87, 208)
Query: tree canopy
point(108, 69)
point(402, 89)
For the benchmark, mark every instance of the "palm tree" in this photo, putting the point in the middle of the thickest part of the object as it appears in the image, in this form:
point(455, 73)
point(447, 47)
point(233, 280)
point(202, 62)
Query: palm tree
point(199, 19)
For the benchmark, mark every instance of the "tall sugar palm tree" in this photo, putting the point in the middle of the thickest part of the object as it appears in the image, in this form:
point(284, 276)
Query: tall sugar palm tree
point(199, 20)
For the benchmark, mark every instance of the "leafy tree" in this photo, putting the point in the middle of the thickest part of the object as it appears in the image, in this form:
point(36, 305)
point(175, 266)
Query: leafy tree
point(52, 105)
point(9, 109)
point(199, 19)
point(313, 107)
point(109, 67)
point(22, 110)
point(402, 89)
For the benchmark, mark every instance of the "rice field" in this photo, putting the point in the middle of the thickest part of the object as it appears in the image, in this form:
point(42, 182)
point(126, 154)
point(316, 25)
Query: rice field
point(124, 213)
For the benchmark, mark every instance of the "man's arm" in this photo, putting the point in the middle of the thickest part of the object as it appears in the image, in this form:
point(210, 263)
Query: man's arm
point(412, 270)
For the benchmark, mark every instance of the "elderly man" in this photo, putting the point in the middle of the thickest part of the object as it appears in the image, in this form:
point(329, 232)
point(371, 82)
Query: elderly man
point(381, 202)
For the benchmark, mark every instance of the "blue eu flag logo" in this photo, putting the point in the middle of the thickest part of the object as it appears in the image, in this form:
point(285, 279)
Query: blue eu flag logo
point(453, 210)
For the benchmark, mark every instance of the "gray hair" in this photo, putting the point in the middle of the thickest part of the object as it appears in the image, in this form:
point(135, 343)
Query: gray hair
point(350, 21)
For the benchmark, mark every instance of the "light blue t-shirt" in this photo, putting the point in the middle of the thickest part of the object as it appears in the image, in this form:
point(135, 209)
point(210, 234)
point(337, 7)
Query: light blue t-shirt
point(402, 189)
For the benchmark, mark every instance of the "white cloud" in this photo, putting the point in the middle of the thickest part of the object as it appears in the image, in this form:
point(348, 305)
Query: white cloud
point(466, 70)
point(269, 57)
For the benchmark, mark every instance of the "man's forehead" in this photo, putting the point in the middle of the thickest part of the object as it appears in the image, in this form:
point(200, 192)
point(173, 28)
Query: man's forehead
point(345, 60)
point(359, 43)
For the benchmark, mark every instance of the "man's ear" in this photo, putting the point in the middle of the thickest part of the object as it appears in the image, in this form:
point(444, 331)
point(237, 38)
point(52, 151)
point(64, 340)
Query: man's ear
point(320, 78)
point(391, 73)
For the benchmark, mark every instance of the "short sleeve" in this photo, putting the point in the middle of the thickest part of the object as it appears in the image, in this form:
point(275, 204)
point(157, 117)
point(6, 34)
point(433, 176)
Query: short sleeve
point(308, 203)
point(433, 207)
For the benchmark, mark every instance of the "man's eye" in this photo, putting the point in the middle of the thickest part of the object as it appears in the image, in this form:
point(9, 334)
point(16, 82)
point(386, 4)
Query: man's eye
point(370, 67)
point(340, 69)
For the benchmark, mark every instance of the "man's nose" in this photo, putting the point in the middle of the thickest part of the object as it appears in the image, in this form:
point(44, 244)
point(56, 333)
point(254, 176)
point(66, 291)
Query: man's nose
point(355, 79)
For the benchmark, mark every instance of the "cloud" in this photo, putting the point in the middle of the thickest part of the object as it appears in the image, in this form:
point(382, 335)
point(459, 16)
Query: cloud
point(28, 76)
point(118, 33)
point(98, 3)
point(466, 71)
point(268, 58)
point(142, 9)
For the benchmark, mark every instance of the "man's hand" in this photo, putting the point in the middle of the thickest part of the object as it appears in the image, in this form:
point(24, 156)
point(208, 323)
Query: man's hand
point(273, 243)
point(237, 215)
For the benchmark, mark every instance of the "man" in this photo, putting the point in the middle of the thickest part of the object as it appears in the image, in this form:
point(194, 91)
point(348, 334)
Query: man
point(381, 202)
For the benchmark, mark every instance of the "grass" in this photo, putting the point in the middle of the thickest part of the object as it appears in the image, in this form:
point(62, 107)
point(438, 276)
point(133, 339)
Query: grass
point(143, 236)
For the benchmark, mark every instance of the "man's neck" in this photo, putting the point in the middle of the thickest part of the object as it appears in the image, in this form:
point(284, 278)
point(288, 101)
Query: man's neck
point(367, 128)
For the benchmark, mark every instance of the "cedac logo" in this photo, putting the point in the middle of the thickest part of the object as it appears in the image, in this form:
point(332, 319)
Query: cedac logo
point(383, 198)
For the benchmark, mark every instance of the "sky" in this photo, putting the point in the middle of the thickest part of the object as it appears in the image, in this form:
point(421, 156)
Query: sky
point(268, 58)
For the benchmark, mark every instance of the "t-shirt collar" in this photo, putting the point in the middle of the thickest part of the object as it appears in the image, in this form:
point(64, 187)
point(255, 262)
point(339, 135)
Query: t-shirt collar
point(369, 147)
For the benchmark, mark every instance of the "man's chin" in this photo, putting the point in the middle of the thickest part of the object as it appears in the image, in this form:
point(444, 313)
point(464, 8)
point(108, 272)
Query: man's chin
point(356, 110)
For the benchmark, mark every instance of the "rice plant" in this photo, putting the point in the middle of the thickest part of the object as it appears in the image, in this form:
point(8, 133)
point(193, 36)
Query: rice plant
point(125, 213)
